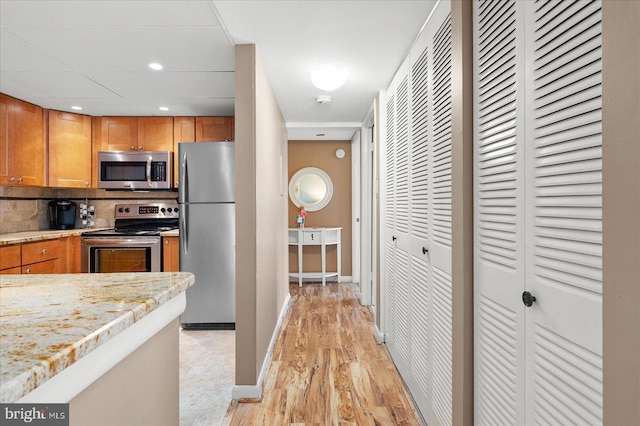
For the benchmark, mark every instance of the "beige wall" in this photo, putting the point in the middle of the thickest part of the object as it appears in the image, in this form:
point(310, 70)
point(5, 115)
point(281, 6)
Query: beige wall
point(621, 211)
point(322, 154)
point(261, 214)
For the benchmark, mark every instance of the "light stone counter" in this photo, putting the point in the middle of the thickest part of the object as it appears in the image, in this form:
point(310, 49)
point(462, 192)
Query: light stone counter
point(172, 233)
point(47, 234)
point(50, 322)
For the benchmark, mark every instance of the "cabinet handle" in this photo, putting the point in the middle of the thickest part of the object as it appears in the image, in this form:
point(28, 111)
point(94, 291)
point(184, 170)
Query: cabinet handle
point(86, 184)
point(139, 148)
point(12, 179)
point(132, 148)
point(28, 270)
point(44, 251)
point(19, 180)
point(166, 242)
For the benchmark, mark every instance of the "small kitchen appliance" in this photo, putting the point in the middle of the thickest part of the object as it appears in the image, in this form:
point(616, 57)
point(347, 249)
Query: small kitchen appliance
point(62, 214)
point(135, 244)
point(135, 170)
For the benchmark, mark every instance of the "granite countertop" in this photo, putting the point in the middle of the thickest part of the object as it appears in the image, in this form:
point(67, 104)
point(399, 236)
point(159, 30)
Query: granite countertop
point(172, 233)
point(47, 234)
point(48, 322)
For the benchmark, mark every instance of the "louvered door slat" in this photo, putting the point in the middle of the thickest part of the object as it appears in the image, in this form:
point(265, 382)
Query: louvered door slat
point(390, 159)
point(402, 157)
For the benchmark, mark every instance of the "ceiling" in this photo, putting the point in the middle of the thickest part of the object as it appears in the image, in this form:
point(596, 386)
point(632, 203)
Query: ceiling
point(95, 54)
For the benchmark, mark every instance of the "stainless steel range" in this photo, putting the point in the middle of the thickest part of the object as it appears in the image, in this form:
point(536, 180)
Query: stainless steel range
point(134, 245)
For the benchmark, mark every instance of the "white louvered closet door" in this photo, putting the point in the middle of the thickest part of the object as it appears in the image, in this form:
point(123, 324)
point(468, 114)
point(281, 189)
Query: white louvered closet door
point(417, 194)
point(538, 212)
point(564, 213)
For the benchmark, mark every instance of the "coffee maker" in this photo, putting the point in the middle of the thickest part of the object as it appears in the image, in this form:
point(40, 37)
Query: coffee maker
point(62, 214)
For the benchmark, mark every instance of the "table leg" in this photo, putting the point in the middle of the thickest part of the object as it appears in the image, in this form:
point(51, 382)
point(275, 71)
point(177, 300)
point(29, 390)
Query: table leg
point(299, 263)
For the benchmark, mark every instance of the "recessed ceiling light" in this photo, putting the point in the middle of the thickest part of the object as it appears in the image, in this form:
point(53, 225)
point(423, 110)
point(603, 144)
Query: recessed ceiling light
point(155, 66)
point(328, 77)
point(163, 108)
point(77, 108)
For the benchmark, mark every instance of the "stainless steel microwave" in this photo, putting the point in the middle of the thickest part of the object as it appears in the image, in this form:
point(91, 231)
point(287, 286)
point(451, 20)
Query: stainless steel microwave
point(141, 170)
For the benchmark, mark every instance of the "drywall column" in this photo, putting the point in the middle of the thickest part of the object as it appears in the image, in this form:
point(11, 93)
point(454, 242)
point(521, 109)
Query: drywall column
point(462, 211)
point(245, 132)
point(621, 211)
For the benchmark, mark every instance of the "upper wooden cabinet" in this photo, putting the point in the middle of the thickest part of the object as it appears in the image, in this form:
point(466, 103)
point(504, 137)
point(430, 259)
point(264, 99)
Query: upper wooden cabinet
point(184, 130)
point(69, 141)
point(214, 129)
point(155, 133)
point(22, 150)
point(136, 133)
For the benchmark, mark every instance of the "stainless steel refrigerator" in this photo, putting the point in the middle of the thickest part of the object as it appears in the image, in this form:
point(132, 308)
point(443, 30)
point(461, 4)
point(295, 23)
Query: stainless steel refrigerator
point(206, 199)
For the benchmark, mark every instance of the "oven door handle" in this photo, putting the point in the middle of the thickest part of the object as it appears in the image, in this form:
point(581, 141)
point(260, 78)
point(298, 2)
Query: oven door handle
point(149, 171)
point(119, 241)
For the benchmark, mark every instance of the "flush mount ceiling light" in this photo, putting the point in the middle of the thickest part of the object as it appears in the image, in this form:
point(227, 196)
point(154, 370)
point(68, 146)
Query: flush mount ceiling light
point(328, 78)
point(163, 108)
point(76, 107)
point(155, 66)
point(323, 99)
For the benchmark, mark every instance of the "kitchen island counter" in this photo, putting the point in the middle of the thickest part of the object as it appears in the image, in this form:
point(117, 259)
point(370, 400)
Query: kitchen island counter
point(51, 324)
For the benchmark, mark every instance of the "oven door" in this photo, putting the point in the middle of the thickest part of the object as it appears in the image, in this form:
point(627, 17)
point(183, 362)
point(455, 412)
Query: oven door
point(121, 254)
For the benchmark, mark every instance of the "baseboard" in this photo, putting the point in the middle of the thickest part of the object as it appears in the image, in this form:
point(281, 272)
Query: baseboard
point(239, 392)
point(380, 338)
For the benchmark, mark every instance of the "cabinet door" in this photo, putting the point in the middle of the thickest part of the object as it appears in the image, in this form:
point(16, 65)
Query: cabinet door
point(69, 150)
point(28, 143)
point(10, 256)
point(119, 133)
point(184, 130)
point(171, 256)
point(155, 133)
point(6, 141)
point(214, 129)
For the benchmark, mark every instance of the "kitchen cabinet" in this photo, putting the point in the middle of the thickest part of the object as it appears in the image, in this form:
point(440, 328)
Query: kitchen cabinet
point(41, 257)
point(184, 130)
point(69, 145)
point(155, 134)
point(118, 134)
point(10, 259)
point(170, 254)
point(22, 152)
point(55, 256)
point(136, 133)
point(214, 129)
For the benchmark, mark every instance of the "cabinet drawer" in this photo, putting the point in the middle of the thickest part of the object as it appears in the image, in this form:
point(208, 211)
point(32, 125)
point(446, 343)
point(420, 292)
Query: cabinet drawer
point(40, 251)
point(10, 256)
point(48, 267)
point(311, 237)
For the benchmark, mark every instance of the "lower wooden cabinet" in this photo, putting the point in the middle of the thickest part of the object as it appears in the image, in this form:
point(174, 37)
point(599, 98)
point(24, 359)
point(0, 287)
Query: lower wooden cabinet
point(56, 256)
point(170, 254)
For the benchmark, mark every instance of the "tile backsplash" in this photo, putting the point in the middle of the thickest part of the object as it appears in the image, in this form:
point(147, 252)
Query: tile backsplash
point(26, 208)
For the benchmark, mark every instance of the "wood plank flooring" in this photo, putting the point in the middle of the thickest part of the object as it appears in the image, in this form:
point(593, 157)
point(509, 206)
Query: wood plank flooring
point(327, 368)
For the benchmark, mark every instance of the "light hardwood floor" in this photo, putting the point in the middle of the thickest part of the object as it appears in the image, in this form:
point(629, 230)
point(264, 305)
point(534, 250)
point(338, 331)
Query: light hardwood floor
point(327, 367)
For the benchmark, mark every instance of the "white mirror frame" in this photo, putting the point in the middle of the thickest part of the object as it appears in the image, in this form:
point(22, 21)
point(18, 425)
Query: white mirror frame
point(294, 188)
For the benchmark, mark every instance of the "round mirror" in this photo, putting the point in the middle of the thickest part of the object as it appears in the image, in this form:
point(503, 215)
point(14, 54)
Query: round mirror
point(311, 188)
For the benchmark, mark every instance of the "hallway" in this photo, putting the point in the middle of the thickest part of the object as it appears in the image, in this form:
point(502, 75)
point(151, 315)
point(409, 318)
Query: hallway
point(327, 367)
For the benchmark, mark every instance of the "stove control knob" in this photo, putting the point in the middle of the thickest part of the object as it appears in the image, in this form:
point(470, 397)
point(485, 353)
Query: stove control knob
point(120, 210)
point(175, 210)
point(162, 210)
point(127, 210)
point(169, 209)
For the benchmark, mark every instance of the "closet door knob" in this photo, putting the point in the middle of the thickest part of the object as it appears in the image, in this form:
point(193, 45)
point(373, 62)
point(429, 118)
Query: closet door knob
point(424, 250)
point(528, 299)
point(394, 238)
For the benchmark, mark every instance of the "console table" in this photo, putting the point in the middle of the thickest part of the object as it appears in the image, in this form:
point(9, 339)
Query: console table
point(316, 237)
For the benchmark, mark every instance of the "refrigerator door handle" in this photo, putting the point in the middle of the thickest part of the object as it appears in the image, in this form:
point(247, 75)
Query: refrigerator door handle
point(184, 180)
point(184, 234)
